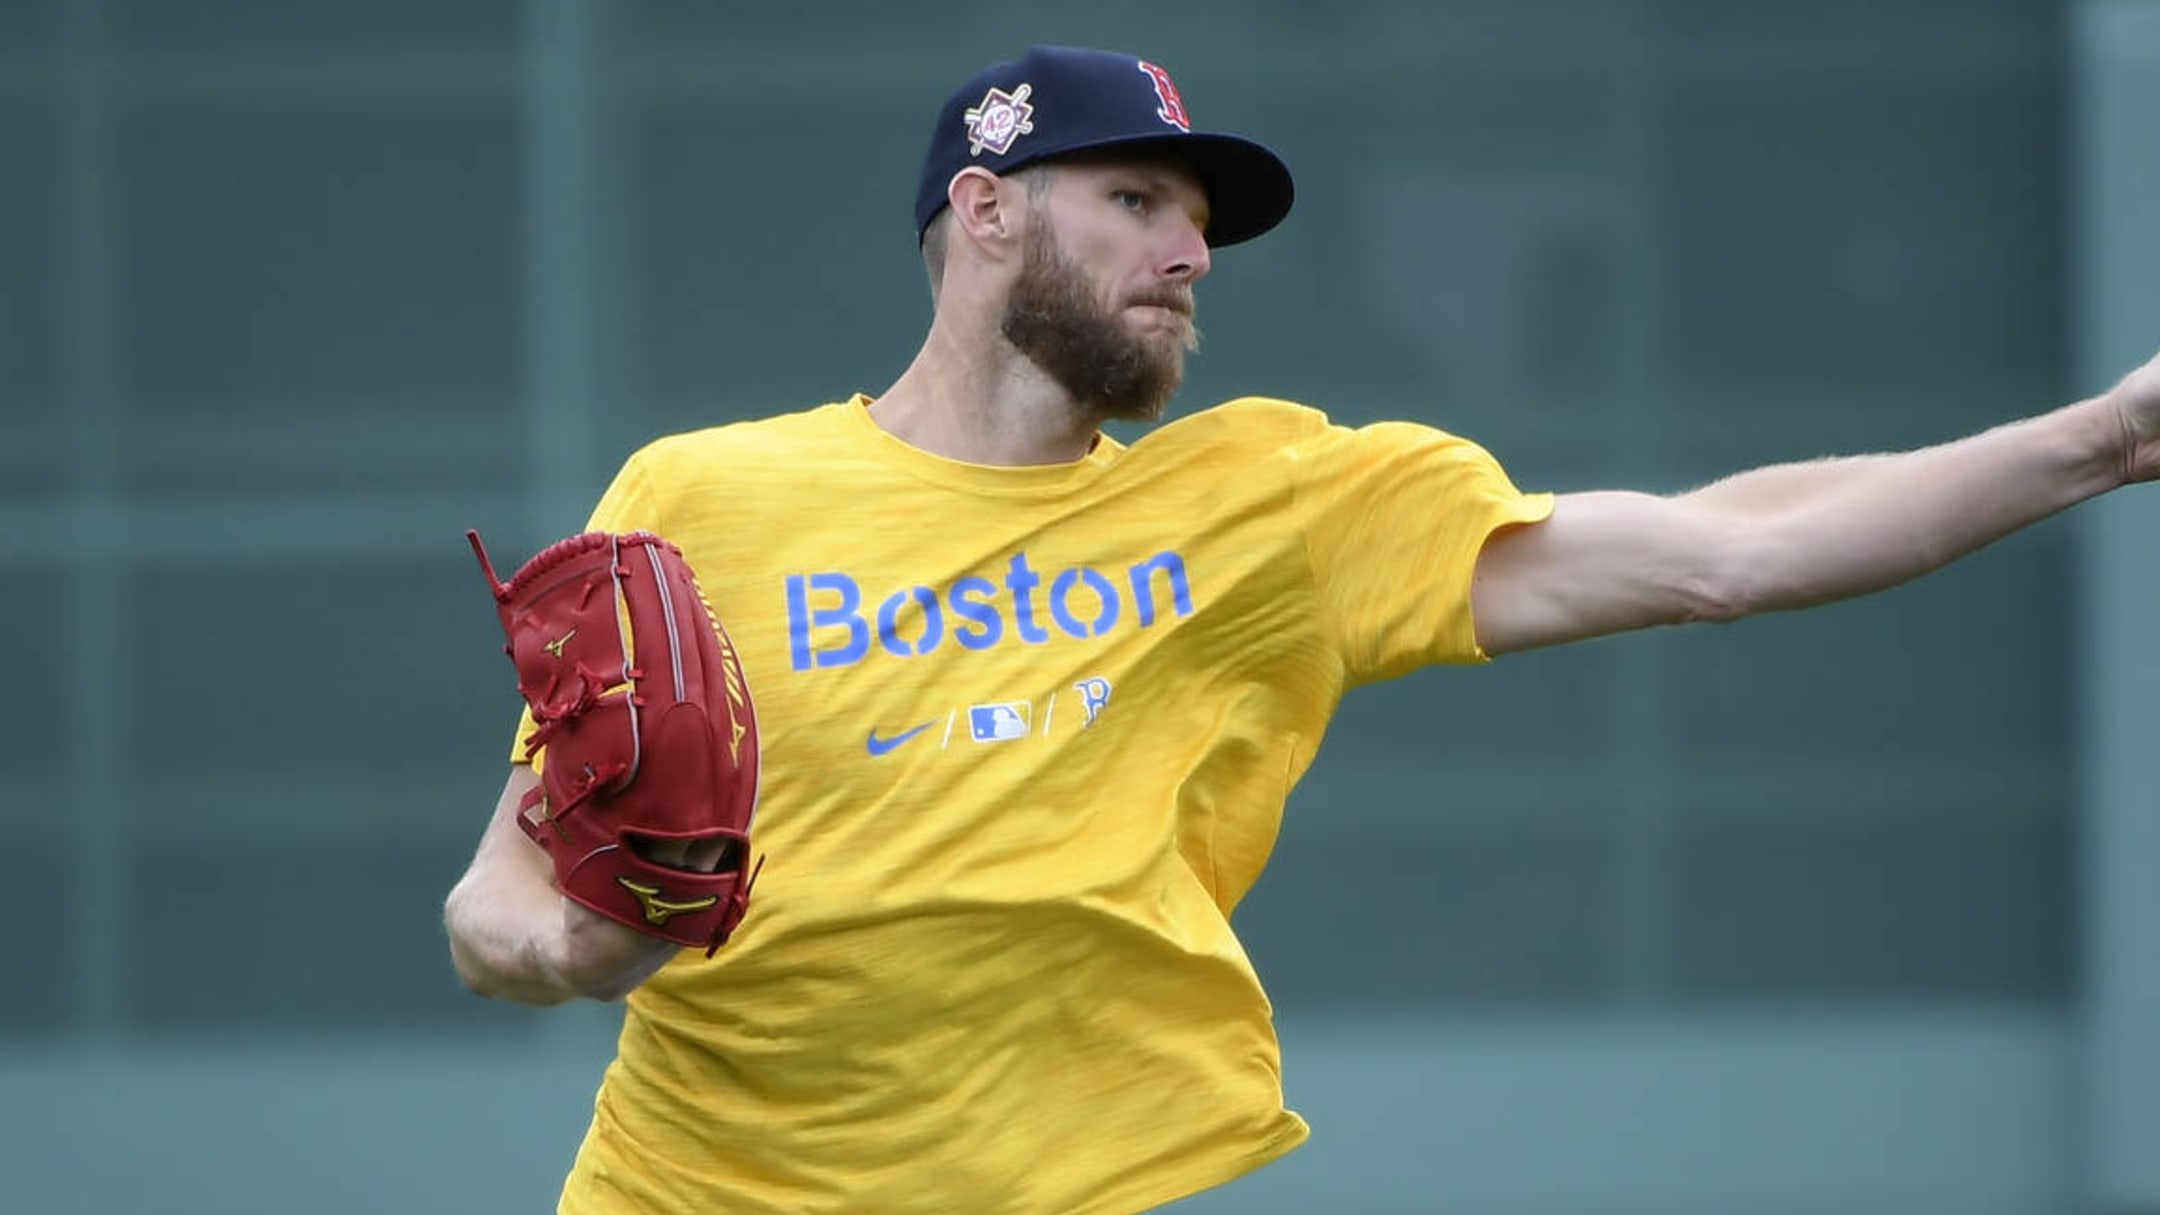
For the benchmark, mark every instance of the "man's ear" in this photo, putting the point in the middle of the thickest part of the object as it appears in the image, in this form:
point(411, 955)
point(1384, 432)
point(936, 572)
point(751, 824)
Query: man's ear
point(985, 207)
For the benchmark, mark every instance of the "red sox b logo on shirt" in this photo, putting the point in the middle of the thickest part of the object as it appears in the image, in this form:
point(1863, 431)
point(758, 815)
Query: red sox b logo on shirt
point(1172, 110)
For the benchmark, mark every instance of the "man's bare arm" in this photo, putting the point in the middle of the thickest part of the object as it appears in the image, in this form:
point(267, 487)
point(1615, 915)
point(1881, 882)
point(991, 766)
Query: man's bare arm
point(514, 937)
point(1796, 535)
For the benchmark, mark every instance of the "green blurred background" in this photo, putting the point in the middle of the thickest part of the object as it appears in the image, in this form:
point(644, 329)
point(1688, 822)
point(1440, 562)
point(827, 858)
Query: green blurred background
point(1845, 912)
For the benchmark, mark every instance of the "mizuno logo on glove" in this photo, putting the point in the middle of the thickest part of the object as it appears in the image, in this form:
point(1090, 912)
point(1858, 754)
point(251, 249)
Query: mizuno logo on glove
point(658, 909)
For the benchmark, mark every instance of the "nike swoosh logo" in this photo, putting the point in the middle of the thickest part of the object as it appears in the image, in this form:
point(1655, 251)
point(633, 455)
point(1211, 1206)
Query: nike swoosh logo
point(879, 746)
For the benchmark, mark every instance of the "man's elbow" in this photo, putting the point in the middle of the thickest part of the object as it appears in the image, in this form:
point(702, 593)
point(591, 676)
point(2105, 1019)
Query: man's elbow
point(1732, 578)
point(1746, 573)
point(485, 973)
point(1718, 599)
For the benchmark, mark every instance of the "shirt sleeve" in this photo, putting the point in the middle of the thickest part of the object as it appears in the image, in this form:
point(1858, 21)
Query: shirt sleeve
point(1394, 516)
point(628, 505)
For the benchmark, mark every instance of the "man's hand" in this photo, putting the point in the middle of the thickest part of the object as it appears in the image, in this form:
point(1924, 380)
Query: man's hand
point(2137, 402)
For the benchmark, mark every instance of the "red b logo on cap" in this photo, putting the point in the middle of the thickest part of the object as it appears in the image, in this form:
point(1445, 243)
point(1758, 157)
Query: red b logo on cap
point(1172, 109)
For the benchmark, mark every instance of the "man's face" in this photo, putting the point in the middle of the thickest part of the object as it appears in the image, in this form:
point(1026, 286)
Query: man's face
point(1104, 300)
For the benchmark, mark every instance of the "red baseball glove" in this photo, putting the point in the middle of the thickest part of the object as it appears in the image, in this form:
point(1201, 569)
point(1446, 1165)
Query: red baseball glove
point(647, 730)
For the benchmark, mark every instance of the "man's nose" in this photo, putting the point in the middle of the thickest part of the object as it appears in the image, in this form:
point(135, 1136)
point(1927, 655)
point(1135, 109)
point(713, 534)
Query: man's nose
point(1189, 260)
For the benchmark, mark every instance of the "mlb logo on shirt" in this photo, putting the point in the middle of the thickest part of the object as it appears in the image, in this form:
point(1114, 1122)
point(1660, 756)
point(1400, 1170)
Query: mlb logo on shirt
point(999, 722)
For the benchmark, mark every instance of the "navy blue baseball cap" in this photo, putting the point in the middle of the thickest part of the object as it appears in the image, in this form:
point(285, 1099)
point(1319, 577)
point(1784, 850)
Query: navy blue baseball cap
point(1057, 100)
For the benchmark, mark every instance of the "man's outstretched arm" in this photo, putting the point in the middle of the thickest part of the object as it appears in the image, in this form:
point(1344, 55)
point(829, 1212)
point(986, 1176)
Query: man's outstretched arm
point(1796, 535)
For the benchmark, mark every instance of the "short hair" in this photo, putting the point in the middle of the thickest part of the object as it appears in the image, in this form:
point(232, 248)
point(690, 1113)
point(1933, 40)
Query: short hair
point(937, 237)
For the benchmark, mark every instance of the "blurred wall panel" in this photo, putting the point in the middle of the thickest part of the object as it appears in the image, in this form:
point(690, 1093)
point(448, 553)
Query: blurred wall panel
point(32, 427)
point(2117, 174)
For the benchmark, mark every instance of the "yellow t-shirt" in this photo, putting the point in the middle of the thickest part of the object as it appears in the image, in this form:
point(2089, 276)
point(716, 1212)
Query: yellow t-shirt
point(1027, 736)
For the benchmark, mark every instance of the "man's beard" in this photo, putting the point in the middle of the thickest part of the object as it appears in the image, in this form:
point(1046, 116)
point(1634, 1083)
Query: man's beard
point(1108, 370)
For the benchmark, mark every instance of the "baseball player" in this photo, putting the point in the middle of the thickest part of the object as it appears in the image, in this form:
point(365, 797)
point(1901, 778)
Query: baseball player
point(1030, 700)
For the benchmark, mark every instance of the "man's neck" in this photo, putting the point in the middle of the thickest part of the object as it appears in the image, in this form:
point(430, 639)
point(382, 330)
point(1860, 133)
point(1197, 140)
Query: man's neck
point(982, 402)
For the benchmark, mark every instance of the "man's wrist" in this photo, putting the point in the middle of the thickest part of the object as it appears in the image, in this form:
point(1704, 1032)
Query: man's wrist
point(2125, 435)
point(2106, 438)
point(599, 959)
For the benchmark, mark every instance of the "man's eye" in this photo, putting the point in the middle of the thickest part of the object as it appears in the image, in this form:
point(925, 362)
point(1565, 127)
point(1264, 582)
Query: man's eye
point(1131, 200)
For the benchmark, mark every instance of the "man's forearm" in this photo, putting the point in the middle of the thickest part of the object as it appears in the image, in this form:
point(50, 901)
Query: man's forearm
point(513, 937)
point(500, 939)
point(1830, 529)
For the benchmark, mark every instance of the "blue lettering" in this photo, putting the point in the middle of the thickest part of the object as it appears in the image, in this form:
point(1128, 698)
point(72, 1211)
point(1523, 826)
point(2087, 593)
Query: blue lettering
point(1143, 588)
point(803, 619)
point(1061, 608)
point(888, 622)
point(971, 602)
point(1022, 581)
point(828, 626)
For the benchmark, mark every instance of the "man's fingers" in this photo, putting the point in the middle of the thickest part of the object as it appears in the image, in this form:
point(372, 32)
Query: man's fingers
point(700, 856)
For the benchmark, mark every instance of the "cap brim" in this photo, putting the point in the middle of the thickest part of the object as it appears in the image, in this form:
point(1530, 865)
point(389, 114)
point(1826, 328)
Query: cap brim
point(1249, 188)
